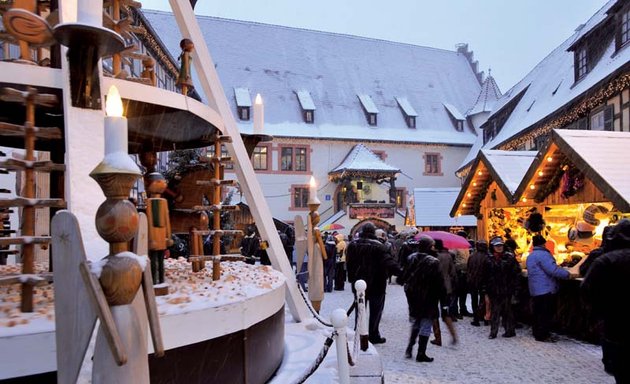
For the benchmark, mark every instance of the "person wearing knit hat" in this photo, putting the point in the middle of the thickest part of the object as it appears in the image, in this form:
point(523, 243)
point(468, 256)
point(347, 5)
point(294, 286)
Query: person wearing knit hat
point(606, 287)
point(501, 272)
point(542, 276)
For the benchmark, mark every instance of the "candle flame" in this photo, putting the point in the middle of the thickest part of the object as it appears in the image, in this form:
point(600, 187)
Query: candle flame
point(312, 182)
point(113, 104)
point(258, 99)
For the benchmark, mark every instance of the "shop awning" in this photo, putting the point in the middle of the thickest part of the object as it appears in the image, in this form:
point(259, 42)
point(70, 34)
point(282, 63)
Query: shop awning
point(506, 168)
point(361, 161)
point(432, 206)
point(600, 155)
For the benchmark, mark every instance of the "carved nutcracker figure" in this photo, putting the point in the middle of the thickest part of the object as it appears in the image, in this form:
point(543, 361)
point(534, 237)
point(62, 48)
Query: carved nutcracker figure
point(159, 227)
point(316, 251)
point(185, 79)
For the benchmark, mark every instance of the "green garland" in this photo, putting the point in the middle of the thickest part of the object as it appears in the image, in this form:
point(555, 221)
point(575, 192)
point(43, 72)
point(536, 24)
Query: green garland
point(552, 185)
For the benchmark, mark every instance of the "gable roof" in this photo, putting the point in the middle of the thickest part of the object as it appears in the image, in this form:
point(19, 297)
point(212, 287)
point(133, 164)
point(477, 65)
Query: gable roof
point(362, 159)
point(550, 84)
point(432, 206)
point(506, 168)
point(597, 154)
point(334, 68)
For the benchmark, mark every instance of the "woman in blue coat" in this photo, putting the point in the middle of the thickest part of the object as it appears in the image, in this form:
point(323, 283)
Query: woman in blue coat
point(543, 274)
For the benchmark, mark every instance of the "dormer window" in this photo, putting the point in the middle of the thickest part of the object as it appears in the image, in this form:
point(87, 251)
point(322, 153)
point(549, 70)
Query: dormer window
point(408, 112)
point(243, 103)
point(581, 65)
point(369, 108)
point(307, 105)
point(456, 117)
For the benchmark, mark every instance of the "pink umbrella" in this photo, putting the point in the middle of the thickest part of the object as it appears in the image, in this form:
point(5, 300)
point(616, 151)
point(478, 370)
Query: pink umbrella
point(450, 240)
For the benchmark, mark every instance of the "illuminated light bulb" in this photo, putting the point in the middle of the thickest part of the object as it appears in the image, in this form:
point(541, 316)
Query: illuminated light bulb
point(480, 173)
point(469, 194)
point(549, 158)
point(540, 173)
point(532, 186)
point(524, 199)
point(474, 183)
point(464, 205)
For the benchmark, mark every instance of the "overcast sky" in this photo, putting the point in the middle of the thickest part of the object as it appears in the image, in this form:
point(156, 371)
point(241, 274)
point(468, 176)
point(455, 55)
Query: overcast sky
point(509, 36)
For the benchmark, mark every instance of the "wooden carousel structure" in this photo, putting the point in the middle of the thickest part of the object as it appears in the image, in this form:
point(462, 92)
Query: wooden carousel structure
point(158, 120)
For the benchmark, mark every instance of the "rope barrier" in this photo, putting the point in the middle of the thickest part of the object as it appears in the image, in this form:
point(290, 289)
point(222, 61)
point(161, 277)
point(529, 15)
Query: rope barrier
point(320, 357)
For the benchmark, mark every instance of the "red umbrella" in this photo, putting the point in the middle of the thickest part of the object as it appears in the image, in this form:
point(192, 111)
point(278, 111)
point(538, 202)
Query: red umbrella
point(450, 240)
point(331, 227)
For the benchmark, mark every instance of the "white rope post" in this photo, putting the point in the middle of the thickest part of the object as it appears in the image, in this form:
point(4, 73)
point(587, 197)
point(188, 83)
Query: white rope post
point(362, 328)
point(339, 321)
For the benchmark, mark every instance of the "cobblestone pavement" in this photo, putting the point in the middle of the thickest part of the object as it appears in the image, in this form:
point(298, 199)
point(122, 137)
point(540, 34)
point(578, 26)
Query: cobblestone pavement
point(476, 359)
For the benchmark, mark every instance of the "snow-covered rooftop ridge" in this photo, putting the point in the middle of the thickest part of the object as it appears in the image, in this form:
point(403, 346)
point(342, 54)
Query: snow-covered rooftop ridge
point(432, 207)
point(550, 85)
point(333, 68)
point(510, 166)
point(361, 158)
point(487, 98)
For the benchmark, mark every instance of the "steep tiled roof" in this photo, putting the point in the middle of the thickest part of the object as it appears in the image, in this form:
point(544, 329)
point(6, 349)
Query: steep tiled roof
point(550, 85)
point(276, 61)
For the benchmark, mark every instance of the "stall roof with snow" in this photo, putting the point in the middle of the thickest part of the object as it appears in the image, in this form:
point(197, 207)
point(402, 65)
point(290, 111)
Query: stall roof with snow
point(505, 168)
point(432, 206)
point(361, 161)
point(598, 155)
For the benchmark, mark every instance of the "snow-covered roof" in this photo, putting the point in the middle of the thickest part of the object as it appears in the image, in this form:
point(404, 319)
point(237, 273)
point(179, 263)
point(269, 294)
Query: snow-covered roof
point(457, 115)
point(432, 207)
point(510, 166)
point(406, 106)
point(551, 82)
point(598, 154)
point(505, 168)
point(368, 104)
point(242, 96)
point(334, 68)
point(487, 98)
point(361, 158)
point(306, 101)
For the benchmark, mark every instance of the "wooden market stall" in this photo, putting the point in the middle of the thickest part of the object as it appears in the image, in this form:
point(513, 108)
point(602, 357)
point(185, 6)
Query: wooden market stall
point(488, 192)
point(580, 185)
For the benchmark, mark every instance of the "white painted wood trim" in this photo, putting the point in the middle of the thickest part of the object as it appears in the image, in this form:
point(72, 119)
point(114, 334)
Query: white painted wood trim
point(209, 79)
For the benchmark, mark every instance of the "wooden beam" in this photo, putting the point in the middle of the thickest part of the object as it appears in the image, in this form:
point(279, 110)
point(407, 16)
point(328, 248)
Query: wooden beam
point(217, 100)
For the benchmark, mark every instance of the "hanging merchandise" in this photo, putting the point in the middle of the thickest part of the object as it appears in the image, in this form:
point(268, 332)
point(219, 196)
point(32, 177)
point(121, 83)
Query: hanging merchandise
point(572, 182)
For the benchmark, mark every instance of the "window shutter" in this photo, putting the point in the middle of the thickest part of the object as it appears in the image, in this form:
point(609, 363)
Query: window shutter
point(609, 118)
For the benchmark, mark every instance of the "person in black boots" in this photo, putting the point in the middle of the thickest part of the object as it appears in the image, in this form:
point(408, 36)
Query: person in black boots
point(424, 288)
point(501, 273)
point(369, 260)
point(474, 276)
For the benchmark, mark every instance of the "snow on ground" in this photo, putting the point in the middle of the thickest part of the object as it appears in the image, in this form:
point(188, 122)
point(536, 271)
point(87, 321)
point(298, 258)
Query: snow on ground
point(476, 359)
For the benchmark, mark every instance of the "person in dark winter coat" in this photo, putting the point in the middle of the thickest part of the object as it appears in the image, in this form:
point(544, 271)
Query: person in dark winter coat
point(249, 246)
point(501, 273)
point(369, 260)
point(424, 288)
point(329, 263)
point(449, 276)
point(607, 286)
point(474, 276)
point(542, 276)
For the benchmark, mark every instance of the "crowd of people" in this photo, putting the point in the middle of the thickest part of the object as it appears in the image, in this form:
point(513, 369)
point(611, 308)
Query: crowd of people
point(438, 280)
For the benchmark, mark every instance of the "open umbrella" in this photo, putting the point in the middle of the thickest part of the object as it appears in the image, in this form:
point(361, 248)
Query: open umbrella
point(331, 227)
point(450, 240)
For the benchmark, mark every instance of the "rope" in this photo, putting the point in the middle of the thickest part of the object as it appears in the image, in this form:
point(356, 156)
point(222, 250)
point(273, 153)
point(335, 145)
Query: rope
point(310, 307)
point(320, 357)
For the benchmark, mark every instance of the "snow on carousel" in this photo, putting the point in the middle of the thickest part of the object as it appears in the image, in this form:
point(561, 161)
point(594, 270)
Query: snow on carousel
point(88, 314)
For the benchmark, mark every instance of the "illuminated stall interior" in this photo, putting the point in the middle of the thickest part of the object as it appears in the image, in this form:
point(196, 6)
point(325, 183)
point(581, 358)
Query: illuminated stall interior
point(488, 190)
point(580, 185)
